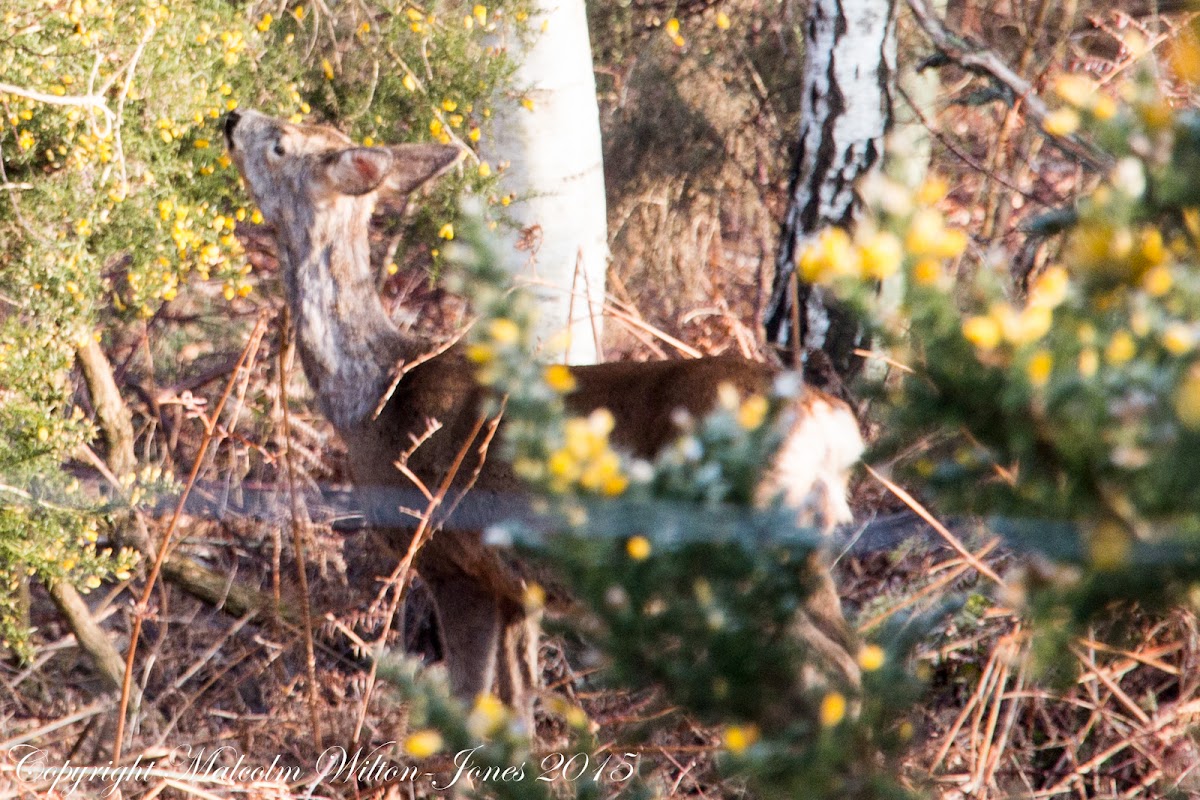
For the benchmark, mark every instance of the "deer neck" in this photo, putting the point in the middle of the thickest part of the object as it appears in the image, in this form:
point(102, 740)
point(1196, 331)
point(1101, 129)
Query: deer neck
point(348, 345)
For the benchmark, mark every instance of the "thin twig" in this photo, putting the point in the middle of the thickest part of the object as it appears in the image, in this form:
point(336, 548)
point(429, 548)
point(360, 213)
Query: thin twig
point(399, 577)
point(958, 152)
point(636, 322)
point(98, 707)
point(962, 566)
point(141, 609)
point(942, 530)
point(403, 368)
point(131, 68)
point(984, 682)
point(587, 295)
point(289, 470)
point(1115, 690)
point(974, 57)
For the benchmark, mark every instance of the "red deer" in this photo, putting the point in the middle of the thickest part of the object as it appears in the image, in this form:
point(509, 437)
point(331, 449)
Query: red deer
point(317, 189)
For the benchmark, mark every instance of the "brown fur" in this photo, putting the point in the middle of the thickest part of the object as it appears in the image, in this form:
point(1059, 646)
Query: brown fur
point(318, 191)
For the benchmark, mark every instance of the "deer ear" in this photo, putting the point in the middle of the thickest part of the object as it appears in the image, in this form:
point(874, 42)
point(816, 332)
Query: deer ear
point(416, 164)
point(358, 170)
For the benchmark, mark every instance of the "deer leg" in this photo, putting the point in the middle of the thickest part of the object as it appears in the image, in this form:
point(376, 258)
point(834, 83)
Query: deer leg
point(469, 618)
point(517, 665)
point(822, 626)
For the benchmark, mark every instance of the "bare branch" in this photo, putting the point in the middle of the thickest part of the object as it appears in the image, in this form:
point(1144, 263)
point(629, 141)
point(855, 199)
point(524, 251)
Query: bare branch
point(113, 415)
point(974, 57)
point(78, 100)
point(91, 637)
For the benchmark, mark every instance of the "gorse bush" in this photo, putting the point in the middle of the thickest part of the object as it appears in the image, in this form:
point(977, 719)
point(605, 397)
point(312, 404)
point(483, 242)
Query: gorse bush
point(1064, 403)
point(1069, 407)
point(119, 199)
point(689, 579)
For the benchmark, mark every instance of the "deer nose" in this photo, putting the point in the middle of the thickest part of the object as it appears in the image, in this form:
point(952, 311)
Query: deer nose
point(231, 121)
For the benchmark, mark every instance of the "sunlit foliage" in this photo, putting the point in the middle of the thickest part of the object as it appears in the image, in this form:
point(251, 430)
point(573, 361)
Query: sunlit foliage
point(118, 198)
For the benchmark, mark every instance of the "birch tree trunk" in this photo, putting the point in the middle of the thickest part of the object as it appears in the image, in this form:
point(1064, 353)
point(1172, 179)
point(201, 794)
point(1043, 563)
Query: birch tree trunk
point(555, 168)
point(846, 107)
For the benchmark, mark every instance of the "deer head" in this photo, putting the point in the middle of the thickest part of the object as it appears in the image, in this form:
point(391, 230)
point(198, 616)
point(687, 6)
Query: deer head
point(295, 171)
point(317, 190)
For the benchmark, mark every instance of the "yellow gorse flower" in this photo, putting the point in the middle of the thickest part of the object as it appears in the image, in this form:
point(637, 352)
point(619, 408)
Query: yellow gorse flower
point(1063, 122)
point(1185, 59)
point(1089, 362)
point(736, 738)
point(1158, 281)
point(1039, 368)
point(1151, 251)
point(602, 474)
point(1121, 348)
point(1187, 399)
point(487, 715)
point(576, 717)
point(833, 709)
point(1118, 253)
point(983, 332)
point(534, 596)
point(933, 190)
point(832, 255)
point(423, 744)
point(1105, 108)
point(928, 236)
point(1078, 90)
point(882, 254)
point(1023, 326)
point(638, 548)
point(672, 31)
point(871, 657)
point(586, 460)
point(1050, 288)
point(504, 331)
point(559, 378)
point(1178, 338)
point(753, 412)
point(588, 436)
point(928, 272)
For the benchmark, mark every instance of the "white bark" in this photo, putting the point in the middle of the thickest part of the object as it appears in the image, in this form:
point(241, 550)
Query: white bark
point(845, 110)
point(555, 168)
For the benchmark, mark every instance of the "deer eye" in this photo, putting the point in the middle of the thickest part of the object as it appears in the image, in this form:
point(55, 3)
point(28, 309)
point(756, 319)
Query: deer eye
point(278, 149)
